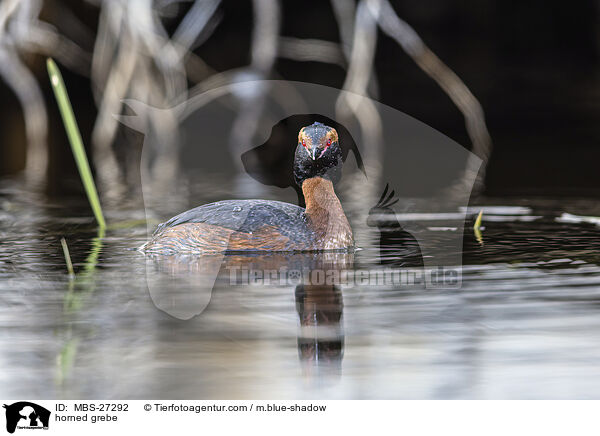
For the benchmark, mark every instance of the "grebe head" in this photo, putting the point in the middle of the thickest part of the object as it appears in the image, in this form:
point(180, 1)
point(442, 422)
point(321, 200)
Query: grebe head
point(318, 154)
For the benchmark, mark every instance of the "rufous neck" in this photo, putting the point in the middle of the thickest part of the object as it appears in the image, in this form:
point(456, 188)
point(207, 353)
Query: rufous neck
point(319, 194)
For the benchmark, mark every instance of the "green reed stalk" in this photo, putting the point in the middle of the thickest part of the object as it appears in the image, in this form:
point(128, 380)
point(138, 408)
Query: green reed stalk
point(66, 111)
point(67, 257)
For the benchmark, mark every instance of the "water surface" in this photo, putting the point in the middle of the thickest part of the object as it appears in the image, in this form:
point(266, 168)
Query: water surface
point(524, 324)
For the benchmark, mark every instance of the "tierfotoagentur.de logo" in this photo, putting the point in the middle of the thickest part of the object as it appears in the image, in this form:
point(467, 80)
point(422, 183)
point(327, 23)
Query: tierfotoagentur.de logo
point(24, 415)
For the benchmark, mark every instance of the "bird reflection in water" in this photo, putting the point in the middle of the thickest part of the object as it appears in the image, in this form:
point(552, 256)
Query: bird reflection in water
point(320, 309)
point(182, 286)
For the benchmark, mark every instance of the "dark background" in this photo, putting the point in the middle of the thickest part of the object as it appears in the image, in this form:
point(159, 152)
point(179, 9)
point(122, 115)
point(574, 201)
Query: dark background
point(533, 65)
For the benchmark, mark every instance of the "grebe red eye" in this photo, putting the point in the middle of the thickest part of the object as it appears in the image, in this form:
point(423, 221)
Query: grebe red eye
point(329, 141)
point(304, 143)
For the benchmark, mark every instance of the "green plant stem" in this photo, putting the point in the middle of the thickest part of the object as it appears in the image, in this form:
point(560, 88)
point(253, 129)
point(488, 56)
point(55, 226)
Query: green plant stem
point(477, 228)
point(66, 111)
point(67, 257)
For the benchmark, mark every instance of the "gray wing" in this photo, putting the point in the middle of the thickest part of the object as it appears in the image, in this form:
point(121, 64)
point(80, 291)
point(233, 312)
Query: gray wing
point(245, 216)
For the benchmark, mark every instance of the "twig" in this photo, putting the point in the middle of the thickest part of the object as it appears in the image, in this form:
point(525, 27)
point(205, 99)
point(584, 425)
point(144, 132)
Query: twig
point(67, 257)
point(458, 92)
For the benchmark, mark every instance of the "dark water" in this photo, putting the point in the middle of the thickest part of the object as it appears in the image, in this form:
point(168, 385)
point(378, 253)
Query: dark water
point(524, 324)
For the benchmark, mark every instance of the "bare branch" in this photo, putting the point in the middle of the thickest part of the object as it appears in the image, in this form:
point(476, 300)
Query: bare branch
point(315, 50)
point(462, 97)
